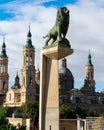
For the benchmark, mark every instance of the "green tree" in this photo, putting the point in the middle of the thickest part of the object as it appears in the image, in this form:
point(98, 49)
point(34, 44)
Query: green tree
point(66, 113)
point(4, 123)
point(91, 113)
point(30, 108)
point(82, 113)
point(101, 115)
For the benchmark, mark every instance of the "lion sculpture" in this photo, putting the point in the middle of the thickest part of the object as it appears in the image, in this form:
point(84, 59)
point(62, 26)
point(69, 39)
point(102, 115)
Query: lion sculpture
point(60, 28)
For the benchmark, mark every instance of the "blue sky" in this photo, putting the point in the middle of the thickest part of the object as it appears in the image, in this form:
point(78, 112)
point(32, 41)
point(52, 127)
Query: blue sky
point(85, 32)
point(7, 5)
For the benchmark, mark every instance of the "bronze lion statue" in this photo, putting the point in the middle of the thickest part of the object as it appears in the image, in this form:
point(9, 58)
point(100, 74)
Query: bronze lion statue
point(60, 28)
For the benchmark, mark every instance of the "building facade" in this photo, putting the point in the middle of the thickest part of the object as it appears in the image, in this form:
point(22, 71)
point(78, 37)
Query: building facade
point(85, 97)
point(4, 76)
point(19, 94)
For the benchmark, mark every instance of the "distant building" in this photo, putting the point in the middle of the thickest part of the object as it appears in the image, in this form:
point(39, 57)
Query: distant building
point(19, 94)
point(85, 98)
point(66, 81)
point(4, 76)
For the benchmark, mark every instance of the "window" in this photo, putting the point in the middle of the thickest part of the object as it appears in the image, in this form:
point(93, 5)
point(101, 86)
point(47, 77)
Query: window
point(30, 59)
point(30, 81)
point(10, 96)
point(27, 59)
point(3, 84)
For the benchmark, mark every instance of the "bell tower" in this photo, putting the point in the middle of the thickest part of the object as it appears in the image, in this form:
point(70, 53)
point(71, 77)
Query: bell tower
point(4, 77)
point(89, 71)
point(89, 83)
point(28, 70)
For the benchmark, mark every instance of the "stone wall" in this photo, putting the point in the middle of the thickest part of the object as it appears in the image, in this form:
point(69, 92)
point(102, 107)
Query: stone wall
point(68, 124)
point(20, 121)
point(90, 123)
point(95, 123)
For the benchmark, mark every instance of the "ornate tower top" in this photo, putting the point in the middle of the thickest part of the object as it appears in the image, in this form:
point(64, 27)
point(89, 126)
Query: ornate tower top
point(3, 51)
point(29, 41)
point(89, 63)
point(17, 81)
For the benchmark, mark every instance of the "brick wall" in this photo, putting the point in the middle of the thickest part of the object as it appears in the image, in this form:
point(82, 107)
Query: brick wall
point(68, 124)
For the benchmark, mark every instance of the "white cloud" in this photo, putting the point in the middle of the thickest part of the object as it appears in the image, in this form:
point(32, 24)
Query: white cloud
point(85, 32)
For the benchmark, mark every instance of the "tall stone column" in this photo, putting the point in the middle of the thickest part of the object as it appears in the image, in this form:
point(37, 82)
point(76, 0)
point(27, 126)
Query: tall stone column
point(49, 88)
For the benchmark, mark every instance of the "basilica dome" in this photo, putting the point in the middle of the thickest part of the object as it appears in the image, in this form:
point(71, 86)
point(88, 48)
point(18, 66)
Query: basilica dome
point(66, 79)
point(64, 71)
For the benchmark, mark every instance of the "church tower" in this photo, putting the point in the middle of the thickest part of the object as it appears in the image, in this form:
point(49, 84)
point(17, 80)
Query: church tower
point(89, 82)
point(28, 71)
point(89, 71)
point(4, 77)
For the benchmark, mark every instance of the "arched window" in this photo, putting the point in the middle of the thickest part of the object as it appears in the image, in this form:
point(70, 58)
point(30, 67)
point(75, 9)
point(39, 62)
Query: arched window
point(30, 80)
point(30, 59)
point(3, 84)
point(27, 59)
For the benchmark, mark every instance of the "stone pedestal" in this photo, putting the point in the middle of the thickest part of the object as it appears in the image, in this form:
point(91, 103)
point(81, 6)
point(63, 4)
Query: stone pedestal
point(49, 88)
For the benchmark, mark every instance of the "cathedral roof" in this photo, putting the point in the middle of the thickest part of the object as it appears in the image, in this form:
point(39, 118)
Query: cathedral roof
point(76, 92)
point(65, 72)
point(15, 90)
point(87, 88)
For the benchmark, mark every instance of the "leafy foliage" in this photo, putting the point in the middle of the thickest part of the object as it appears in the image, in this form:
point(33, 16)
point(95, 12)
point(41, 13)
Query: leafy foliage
point(30, 108)
point(101, 115)
point(4, 123)
point(66, 113)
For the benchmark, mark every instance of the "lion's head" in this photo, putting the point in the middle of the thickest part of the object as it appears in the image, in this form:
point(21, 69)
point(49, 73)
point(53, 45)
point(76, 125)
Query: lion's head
point(64, 10)
point(62, 15)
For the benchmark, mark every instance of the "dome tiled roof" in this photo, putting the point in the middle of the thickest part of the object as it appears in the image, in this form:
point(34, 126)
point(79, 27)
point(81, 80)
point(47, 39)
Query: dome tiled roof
point(65, 72)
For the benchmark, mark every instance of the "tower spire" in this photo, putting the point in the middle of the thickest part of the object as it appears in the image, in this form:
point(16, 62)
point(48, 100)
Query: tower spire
point(3, 39)
point(29, 41)
point(3, 51)
point(89, 62)
point(29, 33)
